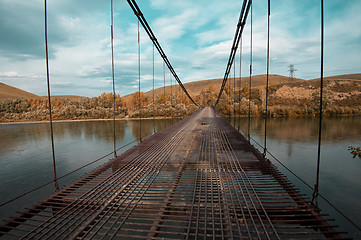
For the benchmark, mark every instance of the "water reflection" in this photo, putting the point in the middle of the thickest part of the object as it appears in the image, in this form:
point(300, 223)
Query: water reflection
point(304, 129)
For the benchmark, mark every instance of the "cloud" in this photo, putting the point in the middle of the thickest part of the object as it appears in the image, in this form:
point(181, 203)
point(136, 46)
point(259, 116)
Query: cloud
point(20, 32)
point(173, 27)
point(9, 74)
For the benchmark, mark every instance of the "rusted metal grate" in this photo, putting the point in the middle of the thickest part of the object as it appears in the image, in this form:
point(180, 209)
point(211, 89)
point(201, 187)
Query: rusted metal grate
point(186, 182)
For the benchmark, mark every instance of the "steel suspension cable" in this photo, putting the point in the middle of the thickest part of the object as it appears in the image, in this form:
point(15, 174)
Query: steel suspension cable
point(229, 99)
point(140, 101)
point(56, 185)
point(316, 192)
point(164, 96)
point(143, 21)
point(240, 82)
point(112, 45)
point(164, 78)
point(171, 96)
point(175, 97)
point(240, 26)
point(153, 96)
point(268, 51)
point(234, 92)
point(250, 82)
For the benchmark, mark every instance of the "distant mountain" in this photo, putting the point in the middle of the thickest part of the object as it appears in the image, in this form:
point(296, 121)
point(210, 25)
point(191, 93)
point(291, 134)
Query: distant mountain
point(11, 93)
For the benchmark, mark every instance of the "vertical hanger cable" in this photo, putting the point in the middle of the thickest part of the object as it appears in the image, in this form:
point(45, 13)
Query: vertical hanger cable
point(240, 82)
point(112, 45)
point(268, 51)
point(56, 185)
point(315, 193)
point(140, 101)
point(250, 80)
point(153, 95)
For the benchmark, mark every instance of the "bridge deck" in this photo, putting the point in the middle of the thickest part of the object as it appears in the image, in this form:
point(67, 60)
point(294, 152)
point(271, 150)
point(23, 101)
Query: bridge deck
point(197, 179)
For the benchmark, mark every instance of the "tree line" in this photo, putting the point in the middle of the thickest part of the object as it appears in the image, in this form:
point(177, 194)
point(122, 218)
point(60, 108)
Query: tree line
point(100, 107)
point(233, 102)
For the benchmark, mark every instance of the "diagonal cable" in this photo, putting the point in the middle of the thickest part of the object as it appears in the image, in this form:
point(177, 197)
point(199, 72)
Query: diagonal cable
point(240, 26)
point(152, 37)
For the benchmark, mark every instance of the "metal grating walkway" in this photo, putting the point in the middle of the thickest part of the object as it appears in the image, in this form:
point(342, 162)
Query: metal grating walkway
point(197, 179)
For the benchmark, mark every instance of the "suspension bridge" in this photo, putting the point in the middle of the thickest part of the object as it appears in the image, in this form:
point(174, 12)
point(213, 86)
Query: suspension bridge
point(199, 178)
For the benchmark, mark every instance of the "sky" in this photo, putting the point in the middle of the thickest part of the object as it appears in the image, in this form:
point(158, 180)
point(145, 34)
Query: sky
point(196, 36)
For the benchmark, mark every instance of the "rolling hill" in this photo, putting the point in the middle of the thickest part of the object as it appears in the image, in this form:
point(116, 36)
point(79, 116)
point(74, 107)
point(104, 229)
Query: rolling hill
point(195, 88)
point(11, 93)
point(8, 92)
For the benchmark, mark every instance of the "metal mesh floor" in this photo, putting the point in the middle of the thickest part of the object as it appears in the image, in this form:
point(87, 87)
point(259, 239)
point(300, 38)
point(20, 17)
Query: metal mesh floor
point(197, 179)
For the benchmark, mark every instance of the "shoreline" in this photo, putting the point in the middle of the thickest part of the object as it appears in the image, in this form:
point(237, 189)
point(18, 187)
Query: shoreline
point(81, 120)
point(160, 118)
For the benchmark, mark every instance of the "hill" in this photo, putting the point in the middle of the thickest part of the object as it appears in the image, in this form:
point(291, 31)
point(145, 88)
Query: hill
point(11, 93)
point(342, 93)
point(8, 92)
point(64, 97)
point(195, 88)
point(348, 82)
point(350, 77)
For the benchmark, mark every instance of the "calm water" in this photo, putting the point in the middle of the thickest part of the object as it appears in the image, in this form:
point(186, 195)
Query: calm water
point(26, 162)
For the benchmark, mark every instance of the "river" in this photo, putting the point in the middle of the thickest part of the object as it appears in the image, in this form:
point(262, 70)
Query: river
point(26, 160)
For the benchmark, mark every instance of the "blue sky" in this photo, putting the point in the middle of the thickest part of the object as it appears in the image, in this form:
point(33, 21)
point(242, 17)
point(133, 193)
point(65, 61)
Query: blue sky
point(196, 36)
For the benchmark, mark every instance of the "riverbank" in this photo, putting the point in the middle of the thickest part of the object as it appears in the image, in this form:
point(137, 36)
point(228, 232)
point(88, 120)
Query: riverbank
point(85, 120)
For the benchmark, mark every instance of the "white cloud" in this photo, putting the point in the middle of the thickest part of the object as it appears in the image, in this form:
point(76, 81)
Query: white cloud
point(9, 74)
point(173, 27)
point(106, 81)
